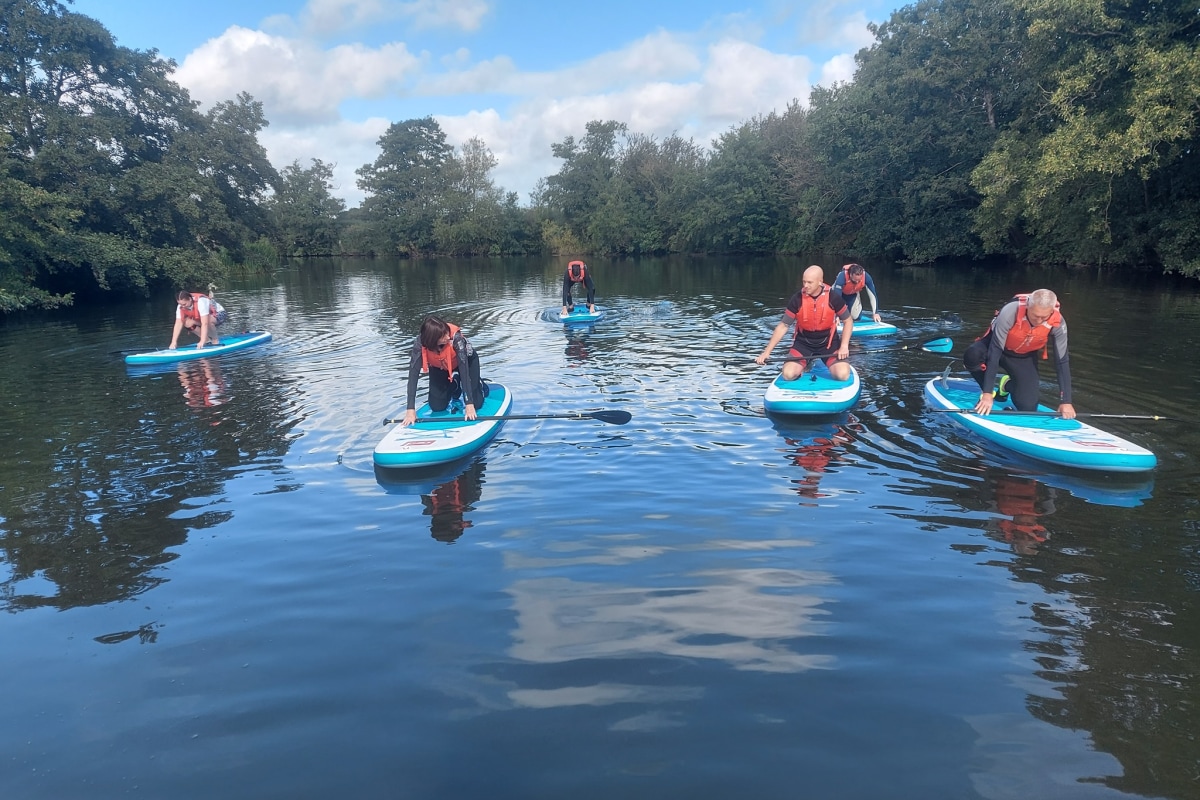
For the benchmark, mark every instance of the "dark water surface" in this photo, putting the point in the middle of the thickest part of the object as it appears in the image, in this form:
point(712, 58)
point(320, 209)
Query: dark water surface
point(209, 592)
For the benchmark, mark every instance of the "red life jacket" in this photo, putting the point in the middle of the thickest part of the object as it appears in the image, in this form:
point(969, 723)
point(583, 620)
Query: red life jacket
point(1025, 338)
point(445, 359)
point(194, 311)
point(815, 312)
point(576, 271)
point(852, 286)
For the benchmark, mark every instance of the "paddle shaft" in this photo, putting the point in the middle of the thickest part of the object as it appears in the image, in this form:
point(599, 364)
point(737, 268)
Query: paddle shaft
point(942, 345)
point(1015, 413)
point(611, 417)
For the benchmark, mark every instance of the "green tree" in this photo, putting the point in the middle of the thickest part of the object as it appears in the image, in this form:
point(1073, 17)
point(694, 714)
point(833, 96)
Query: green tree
point(1105, 168)
point(305, 214)
point(741, 207)
point(896, 148)
point(144, 188)
point(473, 222)
point(582, 185)
point(407, 184)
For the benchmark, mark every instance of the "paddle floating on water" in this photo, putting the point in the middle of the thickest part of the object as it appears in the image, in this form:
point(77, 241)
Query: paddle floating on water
point(943, 345)
point(1012, 412)
point(612, 417)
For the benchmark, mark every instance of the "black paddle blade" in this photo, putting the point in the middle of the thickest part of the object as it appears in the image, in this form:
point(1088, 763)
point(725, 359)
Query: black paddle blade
point(611, 417)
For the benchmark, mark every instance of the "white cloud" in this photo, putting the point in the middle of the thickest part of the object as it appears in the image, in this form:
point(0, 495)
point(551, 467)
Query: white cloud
point(696, 85)
point(296, 80)
point(329, 17)
point(344, 145)
point(742, 80)
point(839, 69)
point(466, 15)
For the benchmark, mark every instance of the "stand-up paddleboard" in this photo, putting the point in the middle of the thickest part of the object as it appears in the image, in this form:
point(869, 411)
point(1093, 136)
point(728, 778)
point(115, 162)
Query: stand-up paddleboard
point(814, 392)
point(869, 327)
point(579, 315)
point(1065, 442)
point(437, 442)
point(228, 344)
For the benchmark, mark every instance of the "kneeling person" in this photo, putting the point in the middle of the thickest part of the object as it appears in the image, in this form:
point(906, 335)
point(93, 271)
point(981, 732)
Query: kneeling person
point(453, 366)
point(201, 315)
point(815, 311)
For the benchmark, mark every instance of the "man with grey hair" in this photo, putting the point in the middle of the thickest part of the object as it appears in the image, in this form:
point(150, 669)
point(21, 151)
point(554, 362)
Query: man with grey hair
point(1028, 324)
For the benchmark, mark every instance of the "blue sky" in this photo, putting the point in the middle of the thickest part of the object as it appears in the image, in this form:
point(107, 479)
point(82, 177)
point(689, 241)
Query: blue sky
point(518, 74)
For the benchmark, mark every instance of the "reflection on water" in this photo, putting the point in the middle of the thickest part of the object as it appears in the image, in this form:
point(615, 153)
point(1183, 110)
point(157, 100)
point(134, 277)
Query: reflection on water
point(577, 345)
point(186, 583)
point(817, 449)
point(1021, 502)
point(447, 492)
point(203, 384)
point(751, 619)
point(447, 504)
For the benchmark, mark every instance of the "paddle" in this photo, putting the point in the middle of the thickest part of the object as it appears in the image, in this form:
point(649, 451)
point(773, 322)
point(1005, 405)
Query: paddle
point(941, 345)
point(1014, 412)
point(611, 417)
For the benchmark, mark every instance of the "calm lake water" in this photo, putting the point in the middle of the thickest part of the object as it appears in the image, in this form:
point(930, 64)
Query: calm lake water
point(210, 592)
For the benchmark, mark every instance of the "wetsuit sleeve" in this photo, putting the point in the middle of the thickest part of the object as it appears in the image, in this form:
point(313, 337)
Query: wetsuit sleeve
point(839, 282)
point(1001, 325)
point(414, 373)
point(871, 294)
point(567, 289)
point(591, 289)
point(793, 307)
point(466, 377)
point(838, 305)
point(1062, 363)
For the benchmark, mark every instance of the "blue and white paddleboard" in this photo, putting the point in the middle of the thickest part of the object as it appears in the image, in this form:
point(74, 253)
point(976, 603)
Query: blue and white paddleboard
point(190, 352)
point(869, 327)
point(437, 442)
point(1066, 442)
point(579, 315)
point(814, 392)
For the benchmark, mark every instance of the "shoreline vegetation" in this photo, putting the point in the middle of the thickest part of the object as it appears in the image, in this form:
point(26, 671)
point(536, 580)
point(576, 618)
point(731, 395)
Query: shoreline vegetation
point(1011, 130)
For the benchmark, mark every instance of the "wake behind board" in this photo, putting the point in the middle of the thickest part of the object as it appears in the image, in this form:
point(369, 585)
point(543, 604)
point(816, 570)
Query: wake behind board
point(869, 327)
point(428, 443)
point(579, 315)
point(814, 392)
point(1065, 442)
point(228, 344)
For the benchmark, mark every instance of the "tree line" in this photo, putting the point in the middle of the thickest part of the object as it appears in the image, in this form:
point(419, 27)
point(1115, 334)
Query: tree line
point(1050, 131)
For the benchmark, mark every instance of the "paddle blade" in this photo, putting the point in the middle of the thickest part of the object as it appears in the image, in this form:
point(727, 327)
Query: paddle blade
point(612, 417)
point(943, 345)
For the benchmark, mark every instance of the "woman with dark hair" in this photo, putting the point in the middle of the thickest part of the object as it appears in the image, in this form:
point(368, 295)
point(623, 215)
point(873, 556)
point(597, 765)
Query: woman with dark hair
point(200, 314)
point(452, 364)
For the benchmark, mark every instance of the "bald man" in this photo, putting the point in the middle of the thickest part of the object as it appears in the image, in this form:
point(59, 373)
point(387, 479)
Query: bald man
point(814, 311)
point(1027, 326)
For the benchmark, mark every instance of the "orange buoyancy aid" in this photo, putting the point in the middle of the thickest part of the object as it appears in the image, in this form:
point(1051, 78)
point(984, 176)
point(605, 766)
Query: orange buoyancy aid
point(194, 311)
point(444, 359)
point(852, 286)
point(1025, 338)
point(815, 312)
point(576, 271)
